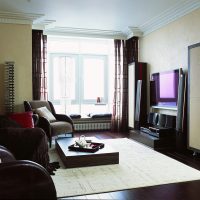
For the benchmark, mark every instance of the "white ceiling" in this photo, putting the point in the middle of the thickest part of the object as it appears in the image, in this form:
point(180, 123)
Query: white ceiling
point(100, 16)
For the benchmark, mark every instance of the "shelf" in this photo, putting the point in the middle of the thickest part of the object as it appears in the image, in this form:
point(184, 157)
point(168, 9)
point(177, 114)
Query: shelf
point(100, 104)
point(164, 107)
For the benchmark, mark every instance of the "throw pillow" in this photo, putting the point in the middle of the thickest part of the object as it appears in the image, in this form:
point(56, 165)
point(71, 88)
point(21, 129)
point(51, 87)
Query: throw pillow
point(75, 116)
point(44, 112)
point(25, 119)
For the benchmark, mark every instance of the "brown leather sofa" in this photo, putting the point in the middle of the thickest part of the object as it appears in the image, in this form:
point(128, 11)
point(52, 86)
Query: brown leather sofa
point(26, 143)
point(23, 179)
point(63, 124)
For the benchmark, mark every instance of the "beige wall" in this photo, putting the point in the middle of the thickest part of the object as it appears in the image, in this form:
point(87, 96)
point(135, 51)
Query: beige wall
point(15, 45)
point(167, 48)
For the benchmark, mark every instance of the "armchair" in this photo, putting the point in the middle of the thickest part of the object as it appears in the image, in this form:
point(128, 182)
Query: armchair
point(52, 127)
point(23, 179)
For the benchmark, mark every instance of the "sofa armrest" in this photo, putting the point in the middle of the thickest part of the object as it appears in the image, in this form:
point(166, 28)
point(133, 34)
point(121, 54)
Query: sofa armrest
point(44, 124)
point(25, 180)
point(27, 106)
point(35, 119)
point(62, 117)
point(26, 144)
point(6, 155)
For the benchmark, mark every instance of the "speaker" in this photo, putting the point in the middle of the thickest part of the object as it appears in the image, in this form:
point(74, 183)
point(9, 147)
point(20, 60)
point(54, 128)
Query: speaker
point(140, 111)
point(137, 71)
point(138, 104)
point(162, 120)
point(181, 103)
point(152, 119)
point(170, 121)
point(152, 93)
point(181, 125)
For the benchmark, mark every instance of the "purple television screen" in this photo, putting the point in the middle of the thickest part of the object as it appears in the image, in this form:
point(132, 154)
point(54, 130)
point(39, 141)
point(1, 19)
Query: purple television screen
point(167, 84)
point(165, 88)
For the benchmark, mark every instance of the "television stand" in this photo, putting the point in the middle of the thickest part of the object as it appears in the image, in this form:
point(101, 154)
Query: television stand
point(165, 107)
point(165, 143)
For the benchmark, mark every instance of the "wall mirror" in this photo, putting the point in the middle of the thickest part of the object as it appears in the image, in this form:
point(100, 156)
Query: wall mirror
point(193, 109)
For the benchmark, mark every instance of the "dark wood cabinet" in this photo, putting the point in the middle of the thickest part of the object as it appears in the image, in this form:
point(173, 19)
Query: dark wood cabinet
point(137, 107)
point(165, 143)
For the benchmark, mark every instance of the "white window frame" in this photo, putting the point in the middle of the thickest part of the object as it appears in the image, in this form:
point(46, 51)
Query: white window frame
point(79, 88)
point(51, 77)
point(105, 97)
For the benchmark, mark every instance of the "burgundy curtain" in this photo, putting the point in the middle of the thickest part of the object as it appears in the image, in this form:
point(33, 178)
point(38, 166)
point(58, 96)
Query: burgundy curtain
point(125, 53)
point(39, 60)
point(120, 101)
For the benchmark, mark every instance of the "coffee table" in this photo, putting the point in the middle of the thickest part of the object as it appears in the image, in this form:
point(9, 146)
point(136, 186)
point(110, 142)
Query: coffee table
point(72, 159)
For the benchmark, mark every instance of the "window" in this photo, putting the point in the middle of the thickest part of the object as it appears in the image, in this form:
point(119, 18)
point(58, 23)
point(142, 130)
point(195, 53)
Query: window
point(62, 71)
point(94, 79)
point(78, 77)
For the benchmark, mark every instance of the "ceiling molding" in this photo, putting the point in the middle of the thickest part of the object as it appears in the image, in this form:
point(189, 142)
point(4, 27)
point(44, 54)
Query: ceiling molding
point(45, 22)
point(38, 22)
point(42, 24)
point(82, 32)
point(133, 32)
point(18, 18)
point(170, 15)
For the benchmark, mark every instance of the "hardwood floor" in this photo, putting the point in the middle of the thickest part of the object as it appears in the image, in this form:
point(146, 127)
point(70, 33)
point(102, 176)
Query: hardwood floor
point(176, 191)
point(102, 134)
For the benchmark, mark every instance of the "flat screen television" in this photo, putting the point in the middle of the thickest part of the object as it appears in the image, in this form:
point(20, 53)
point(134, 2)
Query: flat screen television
point(164, 88)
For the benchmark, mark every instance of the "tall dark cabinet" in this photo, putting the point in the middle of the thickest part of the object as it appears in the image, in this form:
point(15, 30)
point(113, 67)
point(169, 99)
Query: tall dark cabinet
point(137, 90)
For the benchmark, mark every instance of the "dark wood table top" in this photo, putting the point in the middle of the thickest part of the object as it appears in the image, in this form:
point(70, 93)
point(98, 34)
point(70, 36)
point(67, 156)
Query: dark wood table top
point(65, 142)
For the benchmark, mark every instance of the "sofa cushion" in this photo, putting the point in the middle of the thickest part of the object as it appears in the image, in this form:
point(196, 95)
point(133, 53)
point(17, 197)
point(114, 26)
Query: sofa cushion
point(75, 116)
point(25, 119)
point(38, 104)
point(44, 112)
point(6, 122)
point(103, 115)
point(61, 127)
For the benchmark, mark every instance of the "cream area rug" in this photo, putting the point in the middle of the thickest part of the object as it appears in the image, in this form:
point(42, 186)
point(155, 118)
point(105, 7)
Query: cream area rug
point(139, 166)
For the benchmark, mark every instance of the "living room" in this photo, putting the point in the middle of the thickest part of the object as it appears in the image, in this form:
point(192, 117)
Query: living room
point(163, 41)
